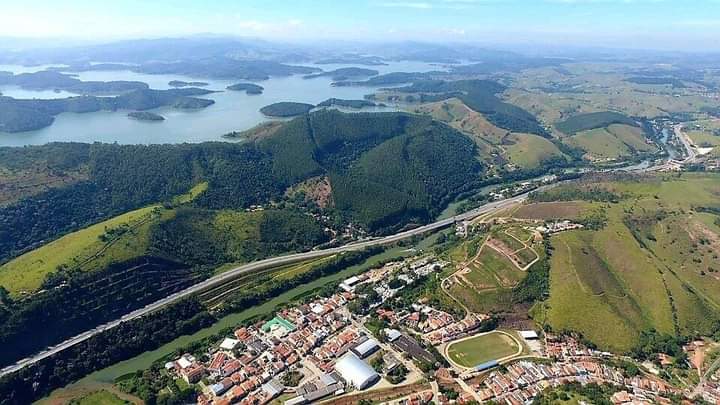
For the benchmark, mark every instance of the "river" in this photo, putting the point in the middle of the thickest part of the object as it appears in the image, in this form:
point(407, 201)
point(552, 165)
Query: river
point(232, 111)
point(144, 360)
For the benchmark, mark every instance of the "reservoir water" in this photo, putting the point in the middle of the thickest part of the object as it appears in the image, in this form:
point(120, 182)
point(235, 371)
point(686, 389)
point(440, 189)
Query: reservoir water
point(232, 111)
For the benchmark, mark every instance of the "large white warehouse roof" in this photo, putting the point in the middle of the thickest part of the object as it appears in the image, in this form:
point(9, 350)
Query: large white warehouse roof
point(355, 371)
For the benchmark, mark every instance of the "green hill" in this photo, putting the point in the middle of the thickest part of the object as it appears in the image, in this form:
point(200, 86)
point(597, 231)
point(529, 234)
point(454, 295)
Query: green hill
point(417, 165)
point(651, 267)
point(584, 122)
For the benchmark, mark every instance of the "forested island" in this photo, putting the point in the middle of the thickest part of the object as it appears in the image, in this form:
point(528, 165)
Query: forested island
point(51, 80)
point(180, 83)
point(353, 60)
point(145, 116)
point(248, 88)
point(345, 74)
point(286, 109)
point(27, 115)
point(225, 68)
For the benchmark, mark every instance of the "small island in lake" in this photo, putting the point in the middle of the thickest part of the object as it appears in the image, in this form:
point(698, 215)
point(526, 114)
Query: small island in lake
point(286, 109)
point(145, 116)
point(192, 103)
point(248, 88)
point(180, 83)
point(345, 74)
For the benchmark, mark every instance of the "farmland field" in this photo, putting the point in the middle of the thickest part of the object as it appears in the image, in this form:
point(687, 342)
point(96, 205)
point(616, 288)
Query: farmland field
point(483, 348)
point(552, 210)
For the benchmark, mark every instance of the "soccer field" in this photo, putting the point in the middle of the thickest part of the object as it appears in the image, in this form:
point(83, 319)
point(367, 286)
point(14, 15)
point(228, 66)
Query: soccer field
point(480, 349)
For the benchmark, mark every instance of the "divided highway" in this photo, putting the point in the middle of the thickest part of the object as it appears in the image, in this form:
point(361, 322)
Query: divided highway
point(260, 265)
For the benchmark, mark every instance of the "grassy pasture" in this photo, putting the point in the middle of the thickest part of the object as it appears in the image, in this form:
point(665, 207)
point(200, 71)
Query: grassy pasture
point(483, 348)
point(82, 249)
point(492, 300)
point(552, 210)
point(599, 143)
point(651, 266)
point(455, 113)
point(529, 151)
point(572, 306)
point(505, 272)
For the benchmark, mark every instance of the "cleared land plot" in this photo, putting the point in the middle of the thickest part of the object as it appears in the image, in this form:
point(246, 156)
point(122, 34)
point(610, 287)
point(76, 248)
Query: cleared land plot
point(552, 210)
point(483, 348)
point(507, 240)
point(530, 151)
point(520, 233)
point(485, 301)
point(494, 269)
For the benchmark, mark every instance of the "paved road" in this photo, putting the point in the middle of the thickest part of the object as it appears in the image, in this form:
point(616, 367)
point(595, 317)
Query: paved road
point(260, 265)
point(687, 143)
point(283, 260)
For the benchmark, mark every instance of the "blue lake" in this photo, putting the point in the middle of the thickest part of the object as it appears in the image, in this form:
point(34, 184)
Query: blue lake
point(232, 111)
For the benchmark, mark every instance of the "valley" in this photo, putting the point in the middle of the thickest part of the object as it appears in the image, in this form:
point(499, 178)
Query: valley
point(474, 215)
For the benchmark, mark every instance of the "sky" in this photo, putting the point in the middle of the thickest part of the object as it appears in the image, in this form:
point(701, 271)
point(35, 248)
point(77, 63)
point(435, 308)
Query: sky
point(651, 24)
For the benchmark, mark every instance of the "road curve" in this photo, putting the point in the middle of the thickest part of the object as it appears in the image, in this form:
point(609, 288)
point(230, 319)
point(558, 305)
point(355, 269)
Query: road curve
point(260, 265)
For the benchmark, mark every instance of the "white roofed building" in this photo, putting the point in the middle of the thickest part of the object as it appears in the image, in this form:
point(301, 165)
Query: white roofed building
point(356, 372)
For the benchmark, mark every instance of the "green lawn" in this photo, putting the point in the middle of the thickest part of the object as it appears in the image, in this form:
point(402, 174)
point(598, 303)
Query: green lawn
point(481, 349)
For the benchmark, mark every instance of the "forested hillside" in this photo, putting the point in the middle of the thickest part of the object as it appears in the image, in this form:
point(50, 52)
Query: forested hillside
point(481, 96)
point(403, 166)
point(385, 169)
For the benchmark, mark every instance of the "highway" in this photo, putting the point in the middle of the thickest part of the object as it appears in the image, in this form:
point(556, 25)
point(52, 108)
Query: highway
point(260, 265)
point(687, 142)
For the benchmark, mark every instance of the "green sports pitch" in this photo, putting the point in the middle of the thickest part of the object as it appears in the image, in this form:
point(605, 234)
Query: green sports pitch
point(483, 348)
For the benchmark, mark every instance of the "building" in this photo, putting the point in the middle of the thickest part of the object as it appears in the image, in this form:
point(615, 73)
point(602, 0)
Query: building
point(366, 348)
point(192, 375)
point(529, 334)
point(392, 334)
point(229, 344)
point(356, 372)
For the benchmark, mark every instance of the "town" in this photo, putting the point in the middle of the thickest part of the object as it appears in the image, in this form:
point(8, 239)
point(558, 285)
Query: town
point(349, 346)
